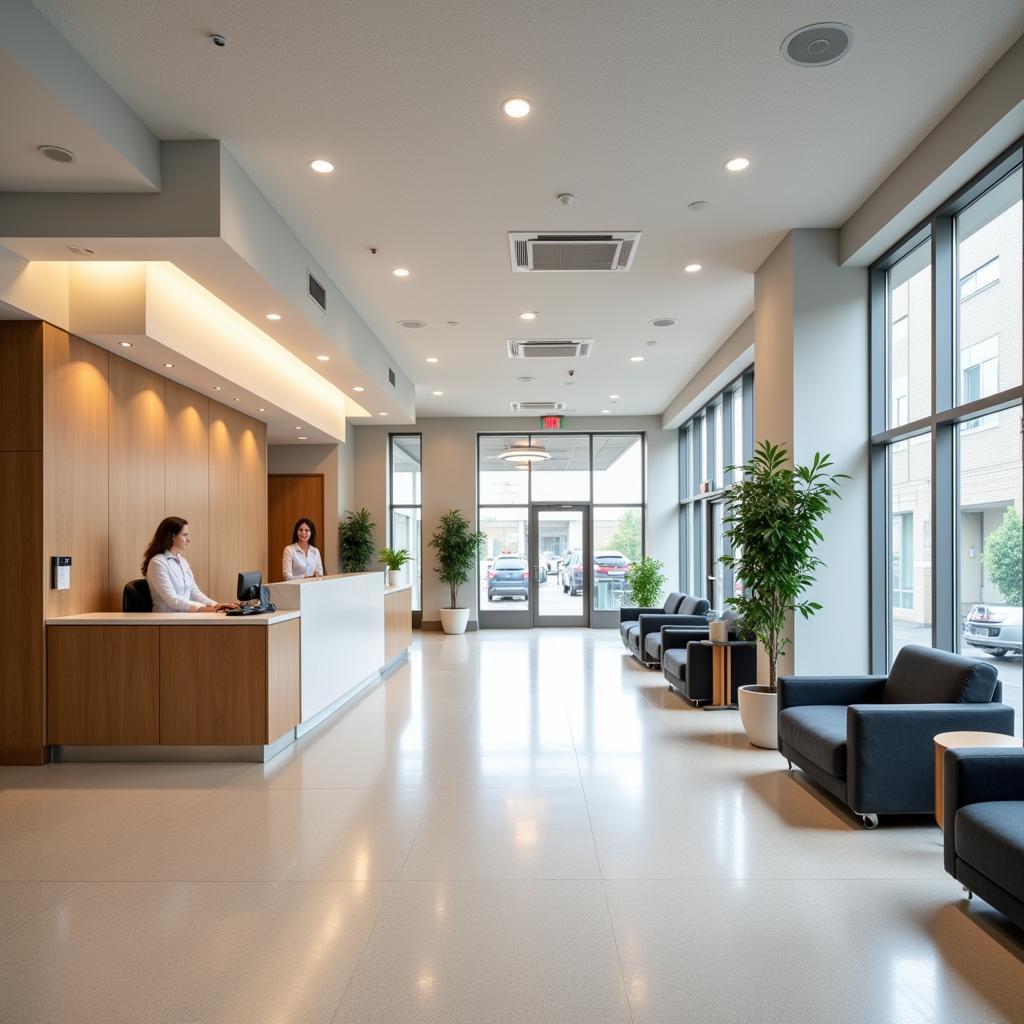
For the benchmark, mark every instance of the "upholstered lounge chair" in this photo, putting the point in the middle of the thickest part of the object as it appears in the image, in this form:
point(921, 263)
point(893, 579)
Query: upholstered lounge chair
point(692, 611)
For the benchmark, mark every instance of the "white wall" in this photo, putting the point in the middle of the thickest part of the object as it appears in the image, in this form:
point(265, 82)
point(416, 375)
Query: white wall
point(449, 481)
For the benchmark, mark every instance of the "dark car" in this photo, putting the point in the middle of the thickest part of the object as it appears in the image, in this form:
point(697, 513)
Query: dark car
point(509, 576)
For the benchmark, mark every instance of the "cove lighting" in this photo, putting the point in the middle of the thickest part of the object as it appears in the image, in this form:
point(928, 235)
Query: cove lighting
point(516, 107)
point(737, 163)
point(321, 166)
point(525, 453)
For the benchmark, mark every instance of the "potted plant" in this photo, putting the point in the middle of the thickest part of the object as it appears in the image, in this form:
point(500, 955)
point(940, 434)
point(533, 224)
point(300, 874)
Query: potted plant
point(457, 550)
point(394, 560)
point(355, 540)
point(646, 581)
point(772, 523)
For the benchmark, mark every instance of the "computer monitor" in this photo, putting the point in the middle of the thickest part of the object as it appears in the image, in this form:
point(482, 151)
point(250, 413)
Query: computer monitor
point(249, 584)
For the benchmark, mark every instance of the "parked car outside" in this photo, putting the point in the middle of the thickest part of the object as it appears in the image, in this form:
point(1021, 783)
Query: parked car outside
point(993, 628)
point(550, 561)
point(509, 576)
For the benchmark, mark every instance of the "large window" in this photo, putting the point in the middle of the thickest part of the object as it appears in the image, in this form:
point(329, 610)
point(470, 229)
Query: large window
point(713, 446)
point(946, 444)
point(406, 507)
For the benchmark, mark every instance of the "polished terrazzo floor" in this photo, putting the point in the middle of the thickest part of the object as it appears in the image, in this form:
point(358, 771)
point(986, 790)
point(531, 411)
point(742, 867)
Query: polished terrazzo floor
point(516, 827)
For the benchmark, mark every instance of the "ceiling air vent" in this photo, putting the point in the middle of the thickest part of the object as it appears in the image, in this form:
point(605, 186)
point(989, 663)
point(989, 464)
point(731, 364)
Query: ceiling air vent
point(549, 348)
point(537, 406)
point(391, 377)
point(536, 252)
point(317, 292)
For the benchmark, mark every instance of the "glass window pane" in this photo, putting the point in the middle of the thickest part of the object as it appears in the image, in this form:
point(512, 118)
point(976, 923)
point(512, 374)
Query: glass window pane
point(737, 432)
point(718, 470)
point(910, 551)
point(714, 586)
point(500, 482)
point(989, 548)
point(618, 468)
point(618, 543)
point(566, 475)
point(910, 337)
point(504, 571)
point(406, 475)
point(406, 532)
point(989, 237)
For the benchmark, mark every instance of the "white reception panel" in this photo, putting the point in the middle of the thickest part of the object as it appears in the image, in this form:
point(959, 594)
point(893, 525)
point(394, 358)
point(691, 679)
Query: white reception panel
point(342, 633)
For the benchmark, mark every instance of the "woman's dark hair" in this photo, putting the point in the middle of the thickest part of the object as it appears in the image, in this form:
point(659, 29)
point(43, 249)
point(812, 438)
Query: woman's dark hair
point(312, 531)
point(168, 529)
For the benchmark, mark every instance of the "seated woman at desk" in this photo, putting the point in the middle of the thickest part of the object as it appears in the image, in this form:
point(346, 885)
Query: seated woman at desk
point(171, 583)
point(301, 558)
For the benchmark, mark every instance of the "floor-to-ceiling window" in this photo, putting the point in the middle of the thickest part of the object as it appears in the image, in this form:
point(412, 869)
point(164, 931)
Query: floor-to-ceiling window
point(946, 421)
point(713, 446)
point(406, 507)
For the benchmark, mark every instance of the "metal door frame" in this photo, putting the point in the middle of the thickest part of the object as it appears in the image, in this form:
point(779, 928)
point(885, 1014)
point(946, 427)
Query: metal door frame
point(533, 529)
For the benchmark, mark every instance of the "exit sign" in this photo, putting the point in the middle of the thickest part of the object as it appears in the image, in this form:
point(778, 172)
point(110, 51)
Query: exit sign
point(551, 422)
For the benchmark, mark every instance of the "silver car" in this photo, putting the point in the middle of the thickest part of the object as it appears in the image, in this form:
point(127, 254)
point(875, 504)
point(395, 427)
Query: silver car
point(993, 628)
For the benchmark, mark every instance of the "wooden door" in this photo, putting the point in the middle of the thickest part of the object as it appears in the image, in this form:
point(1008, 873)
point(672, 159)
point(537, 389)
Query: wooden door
point(290, 497)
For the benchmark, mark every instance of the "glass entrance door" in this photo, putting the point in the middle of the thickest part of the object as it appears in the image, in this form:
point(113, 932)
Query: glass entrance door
point(560, 565)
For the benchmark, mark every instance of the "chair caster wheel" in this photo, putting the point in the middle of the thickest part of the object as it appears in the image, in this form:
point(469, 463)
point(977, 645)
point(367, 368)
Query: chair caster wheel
point(970, 895)
point(869, 820)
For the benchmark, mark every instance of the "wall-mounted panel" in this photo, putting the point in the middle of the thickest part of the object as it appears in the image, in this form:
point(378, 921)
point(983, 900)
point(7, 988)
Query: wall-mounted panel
point(136, 450)
point(187, 461)
point(224, 546)
point(252, 495)
point(21, 386)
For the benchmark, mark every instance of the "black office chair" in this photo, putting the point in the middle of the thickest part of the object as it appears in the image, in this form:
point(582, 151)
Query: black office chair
point(136, 597)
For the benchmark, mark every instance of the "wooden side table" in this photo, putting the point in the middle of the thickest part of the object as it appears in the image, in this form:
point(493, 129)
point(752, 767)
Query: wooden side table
point(721, 673)
point(947, 741)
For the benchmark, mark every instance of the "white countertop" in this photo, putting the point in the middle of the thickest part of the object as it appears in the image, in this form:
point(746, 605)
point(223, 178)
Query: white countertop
point(312, 580)
point(170, 619)
point(395, 590)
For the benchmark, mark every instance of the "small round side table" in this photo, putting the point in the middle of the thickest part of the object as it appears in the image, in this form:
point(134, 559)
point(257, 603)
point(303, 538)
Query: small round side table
point(948, 740)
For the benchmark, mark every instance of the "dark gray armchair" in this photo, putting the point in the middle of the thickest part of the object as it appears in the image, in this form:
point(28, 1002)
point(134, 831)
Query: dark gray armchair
point(692, 611)
point(868, 740)
point(983, 815)
point(629, 618)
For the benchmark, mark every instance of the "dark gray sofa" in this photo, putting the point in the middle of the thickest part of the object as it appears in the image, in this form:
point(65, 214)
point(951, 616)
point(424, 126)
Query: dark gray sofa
point(686, 662)
point(868, 740)
point(690, 611)
point(629, 618)
point(984, 821)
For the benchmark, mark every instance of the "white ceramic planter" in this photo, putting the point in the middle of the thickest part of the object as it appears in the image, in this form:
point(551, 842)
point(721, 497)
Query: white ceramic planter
point(718, 631)
point(394, 577)
point(454, 620)
point(759, 710)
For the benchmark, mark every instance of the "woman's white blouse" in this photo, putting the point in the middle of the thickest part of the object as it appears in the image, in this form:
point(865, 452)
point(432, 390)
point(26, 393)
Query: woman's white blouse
point(172, 585)
point(296, 566)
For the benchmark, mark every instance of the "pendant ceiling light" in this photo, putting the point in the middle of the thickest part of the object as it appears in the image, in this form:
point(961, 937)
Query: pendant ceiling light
point(525, 453)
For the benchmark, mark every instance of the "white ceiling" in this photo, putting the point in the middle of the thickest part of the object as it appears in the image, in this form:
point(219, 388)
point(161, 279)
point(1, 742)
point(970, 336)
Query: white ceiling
point(636, 107)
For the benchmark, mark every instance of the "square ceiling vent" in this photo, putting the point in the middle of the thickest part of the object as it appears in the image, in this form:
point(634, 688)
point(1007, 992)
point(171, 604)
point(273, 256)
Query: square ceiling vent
point(549, 348)
point(534, 252)
point(537, 406)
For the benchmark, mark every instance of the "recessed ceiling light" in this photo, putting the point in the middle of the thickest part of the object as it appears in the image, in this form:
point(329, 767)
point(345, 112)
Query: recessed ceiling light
point(614, 398)
point(737, 163)
point(324, 359)
point(382, 414)
point(817, 46)
point(235, 399)
point(528, 316)
point(358, 389)
point(80, 250)
point(400, 272)
point(168, 366)
point(636, 359)
point(273, 316)
point(516, 107)
point(58, 154)
point(261, 409)
point(606, 412)
point(217, 387)
point(125, 344)
point(438, 394)
point(322, 166)
point(431, 359)
point(664, 321)
point(302, 437)
point(412, 325)
point(692, 268)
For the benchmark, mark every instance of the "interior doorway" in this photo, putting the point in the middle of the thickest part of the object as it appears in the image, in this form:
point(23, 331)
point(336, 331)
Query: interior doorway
point(290, 496)
point(560, 565)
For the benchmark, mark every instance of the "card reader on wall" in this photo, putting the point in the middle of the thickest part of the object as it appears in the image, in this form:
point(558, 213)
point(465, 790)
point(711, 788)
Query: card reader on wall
point(61, 566)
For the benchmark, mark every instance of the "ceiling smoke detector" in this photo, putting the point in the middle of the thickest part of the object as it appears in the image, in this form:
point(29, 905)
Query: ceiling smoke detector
point(58, 154)
point(817, 46)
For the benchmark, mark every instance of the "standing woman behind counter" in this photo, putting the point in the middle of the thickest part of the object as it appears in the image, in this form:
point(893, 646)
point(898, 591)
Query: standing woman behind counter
point(171, 583)
point(301, 558)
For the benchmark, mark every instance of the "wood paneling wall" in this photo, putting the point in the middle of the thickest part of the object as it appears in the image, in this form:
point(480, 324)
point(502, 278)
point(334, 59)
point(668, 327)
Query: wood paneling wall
point(94, 451)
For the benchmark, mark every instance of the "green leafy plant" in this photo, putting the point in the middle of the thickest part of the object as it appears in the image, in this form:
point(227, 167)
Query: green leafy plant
point(627, 536)
point(646, 581)
point(1003, 557)
point(772, 524)
point(355, 540)
point(457, 549)
point(394, 559)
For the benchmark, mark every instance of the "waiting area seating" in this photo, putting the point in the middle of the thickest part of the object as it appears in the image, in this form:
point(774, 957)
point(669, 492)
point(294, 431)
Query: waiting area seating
point(869, 740)
point(637, 624)
point(984, 825)
point(687, 663)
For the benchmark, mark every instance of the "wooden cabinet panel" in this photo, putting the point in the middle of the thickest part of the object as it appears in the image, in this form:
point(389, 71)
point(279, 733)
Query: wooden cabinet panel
point(283, 678)
point(224, 548)
point(21, 628)
point(21, 386)
point(213, 684)
point(252, 495)
point(136, 469)
point(102, 684)
point(397, 622)
point(187, 461)
point(290, 496)
point(75, 473)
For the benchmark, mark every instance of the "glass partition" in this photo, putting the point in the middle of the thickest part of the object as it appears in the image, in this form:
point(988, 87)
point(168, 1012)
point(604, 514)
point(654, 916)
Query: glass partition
point(406, 500)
